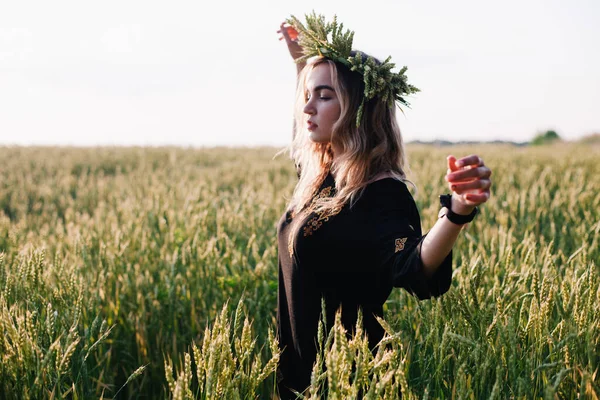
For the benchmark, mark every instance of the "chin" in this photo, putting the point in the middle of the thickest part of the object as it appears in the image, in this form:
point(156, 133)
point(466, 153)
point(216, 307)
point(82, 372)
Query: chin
point(315, 137)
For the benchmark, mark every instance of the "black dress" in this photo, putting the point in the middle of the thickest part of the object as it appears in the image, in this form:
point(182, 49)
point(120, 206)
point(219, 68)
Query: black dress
point(352, 258)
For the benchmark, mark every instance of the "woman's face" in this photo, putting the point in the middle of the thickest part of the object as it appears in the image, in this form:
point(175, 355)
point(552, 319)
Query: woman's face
point(322, 107)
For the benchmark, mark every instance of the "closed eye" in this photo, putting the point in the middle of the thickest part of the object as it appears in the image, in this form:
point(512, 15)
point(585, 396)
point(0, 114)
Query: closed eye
point(321, 97)
point(322, 90)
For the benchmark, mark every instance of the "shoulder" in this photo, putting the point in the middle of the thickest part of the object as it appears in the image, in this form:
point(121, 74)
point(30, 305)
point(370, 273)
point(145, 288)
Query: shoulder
point(387, 192)
point(387, 185)
point(388, 206)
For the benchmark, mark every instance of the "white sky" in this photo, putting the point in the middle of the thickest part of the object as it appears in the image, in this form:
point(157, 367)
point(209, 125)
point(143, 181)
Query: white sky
point(198, 73)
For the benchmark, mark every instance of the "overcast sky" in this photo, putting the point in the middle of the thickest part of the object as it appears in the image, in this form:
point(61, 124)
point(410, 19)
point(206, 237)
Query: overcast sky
point(214, 73)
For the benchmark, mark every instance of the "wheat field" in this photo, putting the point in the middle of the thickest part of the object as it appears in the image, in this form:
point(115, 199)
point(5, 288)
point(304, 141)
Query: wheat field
point(152, 273)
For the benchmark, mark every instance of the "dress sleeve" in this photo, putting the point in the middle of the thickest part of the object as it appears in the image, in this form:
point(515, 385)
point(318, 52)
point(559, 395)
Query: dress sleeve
point(398, 240)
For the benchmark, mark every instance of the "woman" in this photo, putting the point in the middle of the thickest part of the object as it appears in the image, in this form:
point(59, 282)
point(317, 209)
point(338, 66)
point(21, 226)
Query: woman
point(352, 230)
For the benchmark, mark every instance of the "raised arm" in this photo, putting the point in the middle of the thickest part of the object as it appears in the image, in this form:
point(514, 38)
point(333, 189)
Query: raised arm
point(290, 35)
point(469, 180)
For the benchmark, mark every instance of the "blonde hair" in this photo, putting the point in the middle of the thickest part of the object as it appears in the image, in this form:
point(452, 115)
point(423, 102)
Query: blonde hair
point(374, 147)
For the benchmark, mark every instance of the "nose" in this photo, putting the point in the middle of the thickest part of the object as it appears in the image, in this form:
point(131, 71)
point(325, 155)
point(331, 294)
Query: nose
point(309, 108)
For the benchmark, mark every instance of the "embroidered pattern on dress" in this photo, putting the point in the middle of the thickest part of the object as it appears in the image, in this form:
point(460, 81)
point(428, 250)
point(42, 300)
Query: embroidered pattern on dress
point(317, 221)
point(400, 244)
point(325, 192)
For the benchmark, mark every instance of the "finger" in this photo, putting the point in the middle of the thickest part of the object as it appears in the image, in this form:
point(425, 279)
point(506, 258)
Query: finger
point(477, 198)
point(470, 160)
point(451, 163)
point(283, 29)
point(481, 184)
point(473, 173)
point(289, 32)
point(292, 32)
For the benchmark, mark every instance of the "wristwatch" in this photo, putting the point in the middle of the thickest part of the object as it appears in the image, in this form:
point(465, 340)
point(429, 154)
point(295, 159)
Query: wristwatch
point(446, 201)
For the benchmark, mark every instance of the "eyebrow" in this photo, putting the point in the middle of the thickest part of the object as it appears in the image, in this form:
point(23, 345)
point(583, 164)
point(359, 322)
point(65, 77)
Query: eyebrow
point(321, 87)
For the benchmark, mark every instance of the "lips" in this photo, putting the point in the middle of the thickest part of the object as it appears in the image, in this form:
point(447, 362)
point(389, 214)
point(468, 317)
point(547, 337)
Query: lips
point(311, 125)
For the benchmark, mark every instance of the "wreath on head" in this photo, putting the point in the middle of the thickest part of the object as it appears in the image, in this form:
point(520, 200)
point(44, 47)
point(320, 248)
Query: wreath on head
point(328, 39)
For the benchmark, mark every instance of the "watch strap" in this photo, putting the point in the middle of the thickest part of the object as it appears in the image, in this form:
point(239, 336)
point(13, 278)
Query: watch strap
point(446, 201)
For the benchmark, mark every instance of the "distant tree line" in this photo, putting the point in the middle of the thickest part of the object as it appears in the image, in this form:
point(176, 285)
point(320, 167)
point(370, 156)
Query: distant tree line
point(542, 138)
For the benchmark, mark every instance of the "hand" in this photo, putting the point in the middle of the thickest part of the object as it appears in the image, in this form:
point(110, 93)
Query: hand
point(291, 39)
point(469, 180)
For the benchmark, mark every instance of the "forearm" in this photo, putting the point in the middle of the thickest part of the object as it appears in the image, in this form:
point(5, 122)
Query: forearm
point(299, 67)
point(439, 242)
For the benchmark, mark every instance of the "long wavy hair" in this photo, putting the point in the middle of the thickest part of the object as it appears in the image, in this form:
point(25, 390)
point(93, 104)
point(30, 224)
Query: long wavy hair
point(365, 151)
